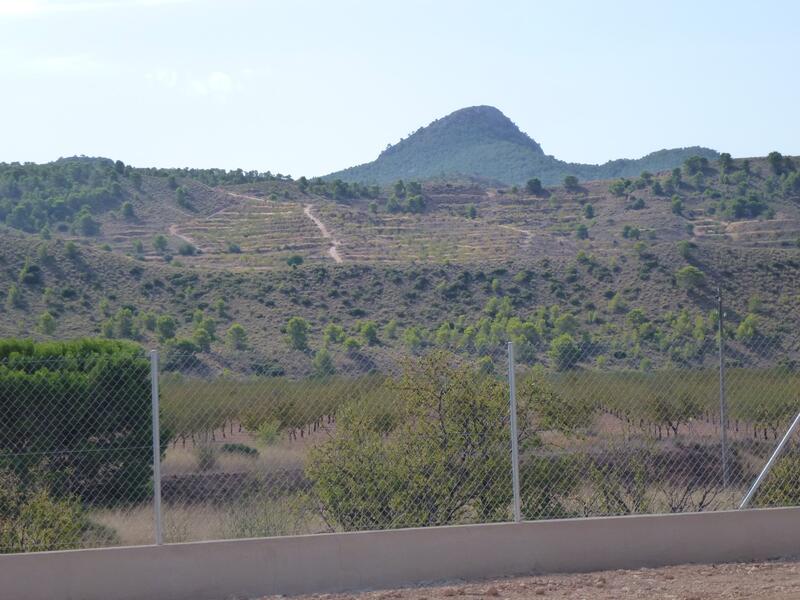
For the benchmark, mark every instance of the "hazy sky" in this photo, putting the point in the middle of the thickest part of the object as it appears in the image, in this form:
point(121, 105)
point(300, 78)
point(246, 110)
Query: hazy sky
point(305, 87)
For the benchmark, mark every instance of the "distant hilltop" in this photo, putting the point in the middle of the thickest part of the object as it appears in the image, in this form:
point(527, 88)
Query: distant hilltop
point(481, 142)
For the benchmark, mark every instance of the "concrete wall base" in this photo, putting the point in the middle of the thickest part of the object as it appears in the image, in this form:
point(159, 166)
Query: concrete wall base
point(351, 561)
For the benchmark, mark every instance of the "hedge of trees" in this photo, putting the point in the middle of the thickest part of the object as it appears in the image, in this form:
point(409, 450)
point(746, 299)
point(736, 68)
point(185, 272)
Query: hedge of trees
point(80, 410)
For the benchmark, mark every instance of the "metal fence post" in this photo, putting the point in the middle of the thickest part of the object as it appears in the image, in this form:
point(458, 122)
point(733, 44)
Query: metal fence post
point(723, 409)
point(156, 446)
point(512, 386)
point(765, 471)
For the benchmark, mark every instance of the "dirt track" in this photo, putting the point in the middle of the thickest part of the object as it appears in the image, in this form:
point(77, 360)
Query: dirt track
point(334, 249)
point(779, 580)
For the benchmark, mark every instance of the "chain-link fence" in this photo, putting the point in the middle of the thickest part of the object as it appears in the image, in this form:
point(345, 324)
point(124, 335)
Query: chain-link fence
point(421, 439)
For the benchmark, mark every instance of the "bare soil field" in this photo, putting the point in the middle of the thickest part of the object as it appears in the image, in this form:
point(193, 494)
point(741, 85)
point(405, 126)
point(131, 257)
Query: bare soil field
point(777, 580)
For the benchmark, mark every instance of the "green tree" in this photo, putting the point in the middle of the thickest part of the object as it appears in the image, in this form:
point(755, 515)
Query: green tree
point(322, 365)
point(127, 210)
point(571, 183)
point(333, 334)
point(352, 345)
point(165, 328)
point(220, 307)
point(689, 277)
point(187, 249)
point(160, 243)
point(390, 330)
point(564, 352)
point(747, 329)
point(725, 162)
point(365, 480)
point(441, 455)
point(294, 261)
point(125, 324)
point(369, 331)
point(677, 205)
point(297, 329)
point(582, 231)
point(588, 211)
point(85, 224)
point(71, 250)
point(534, 186)
point(182, 197)
point(236, 337)
point(13, 297)
point(46, 323)
point(776, 162)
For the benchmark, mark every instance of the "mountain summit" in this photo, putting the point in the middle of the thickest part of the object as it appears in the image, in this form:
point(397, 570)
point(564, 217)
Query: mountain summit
point(480, 141)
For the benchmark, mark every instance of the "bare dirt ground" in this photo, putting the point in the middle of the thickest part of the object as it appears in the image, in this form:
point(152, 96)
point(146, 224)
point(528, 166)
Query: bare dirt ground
point(776, 580)
point(334, 249)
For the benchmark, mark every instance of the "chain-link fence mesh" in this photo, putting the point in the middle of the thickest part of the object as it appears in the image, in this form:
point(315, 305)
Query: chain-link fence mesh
point(421, 439)
point(75, 450)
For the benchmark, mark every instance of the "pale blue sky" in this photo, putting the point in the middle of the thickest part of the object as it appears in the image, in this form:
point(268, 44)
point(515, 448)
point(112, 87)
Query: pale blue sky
point(308, 87)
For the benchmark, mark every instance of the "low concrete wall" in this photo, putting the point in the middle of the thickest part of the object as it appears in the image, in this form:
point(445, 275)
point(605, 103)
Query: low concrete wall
point(350, 561)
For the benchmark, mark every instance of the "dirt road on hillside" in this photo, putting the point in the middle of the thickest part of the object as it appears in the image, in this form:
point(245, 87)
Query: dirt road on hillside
point(334, 249)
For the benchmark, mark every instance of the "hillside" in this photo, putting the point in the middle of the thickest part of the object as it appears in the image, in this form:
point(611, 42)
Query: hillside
point(176, 258)
point(481, 142)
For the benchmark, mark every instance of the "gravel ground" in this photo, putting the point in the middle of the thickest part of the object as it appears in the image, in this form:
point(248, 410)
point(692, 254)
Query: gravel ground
point(775, 580)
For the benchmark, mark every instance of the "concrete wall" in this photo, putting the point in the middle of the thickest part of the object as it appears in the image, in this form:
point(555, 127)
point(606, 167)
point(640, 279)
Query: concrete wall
point(350, 561)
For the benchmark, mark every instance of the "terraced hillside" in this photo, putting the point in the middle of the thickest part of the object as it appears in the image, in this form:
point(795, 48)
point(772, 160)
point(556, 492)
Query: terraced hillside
point(177, 258)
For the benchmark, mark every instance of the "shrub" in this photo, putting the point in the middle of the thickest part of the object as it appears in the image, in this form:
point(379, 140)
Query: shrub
point(33, 520)
point(241, 449)
point(780, 487)
point(234, 248)
point(582, 232)
point(571, 183)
